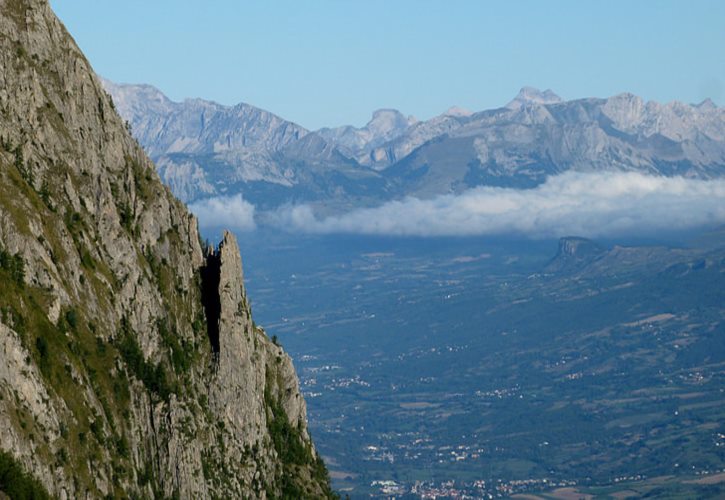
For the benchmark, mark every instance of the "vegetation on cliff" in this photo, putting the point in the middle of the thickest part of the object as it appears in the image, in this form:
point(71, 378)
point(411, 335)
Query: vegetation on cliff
point(111, 383)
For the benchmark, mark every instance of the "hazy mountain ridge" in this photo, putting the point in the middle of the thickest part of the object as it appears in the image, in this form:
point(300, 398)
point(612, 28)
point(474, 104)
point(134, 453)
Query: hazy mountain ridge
point(359, 143)
point(529, 95)
point(197, 125)
point(522, 145)
point(204, 149)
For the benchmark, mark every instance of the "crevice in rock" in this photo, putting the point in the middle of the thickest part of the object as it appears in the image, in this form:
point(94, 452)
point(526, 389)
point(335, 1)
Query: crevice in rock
point(210, 298)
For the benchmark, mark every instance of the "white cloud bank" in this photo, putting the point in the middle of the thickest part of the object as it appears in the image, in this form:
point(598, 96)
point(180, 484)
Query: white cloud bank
point(584, 204)
point(231, 212)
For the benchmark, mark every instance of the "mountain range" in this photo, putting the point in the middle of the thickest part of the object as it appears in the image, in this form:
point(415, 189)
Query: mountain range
point(204, 149)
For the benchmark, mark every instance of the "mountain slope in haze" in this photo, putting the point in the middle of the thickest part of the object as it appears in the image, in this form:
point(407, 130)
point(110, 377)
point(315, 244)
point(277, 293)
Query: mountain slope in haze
point(204, 149)
point(358, 143)
point(129, 362)
point(533, 138)
point(379, 154)
point(199, 126)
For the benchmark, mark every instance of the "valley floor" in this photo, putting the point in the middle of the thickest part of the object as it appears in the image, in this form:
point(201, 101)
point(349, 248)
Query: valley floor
point(478, 367)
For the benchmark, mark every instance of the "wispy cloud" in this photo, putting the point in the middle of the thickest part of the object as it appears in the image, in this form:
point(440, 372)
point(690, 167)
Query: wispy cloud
point(232, 212)
point(585, 204)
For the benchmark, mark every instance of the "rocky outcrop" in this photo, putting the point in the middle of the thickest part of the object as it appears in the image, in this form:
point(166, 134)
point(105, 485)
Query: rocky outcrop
point(112, 382)
point(574, 253)
point(251, 367)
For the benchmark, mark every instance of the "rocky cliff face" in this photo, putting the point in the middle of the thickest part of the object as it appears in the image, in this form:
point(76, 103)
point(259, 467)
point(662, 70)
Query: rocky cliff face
point(574, 253)
point(129, 362)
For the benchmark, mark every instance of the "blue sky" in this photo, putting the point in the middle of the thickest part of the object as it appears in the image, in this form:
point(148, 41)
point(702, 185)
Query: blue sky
point(324, 62)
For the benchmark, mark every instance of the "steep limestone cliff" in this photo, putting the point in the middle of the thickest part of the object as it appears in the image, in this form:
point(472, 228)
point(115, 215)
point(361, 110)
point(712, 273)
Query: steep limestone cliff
point(129, 362)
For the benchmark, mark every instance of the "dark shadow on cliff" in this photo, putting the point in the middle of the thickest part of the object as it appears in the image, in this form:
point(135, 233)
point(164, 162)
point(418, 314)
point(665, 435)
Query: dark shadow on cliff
point(210, 277)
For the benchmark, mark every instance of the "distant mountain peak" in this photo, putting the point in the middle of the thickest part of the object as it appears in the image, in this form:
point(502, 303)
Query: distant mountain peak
point(706, 104)
point(126, 97)
point(389, 119)
point(533, 95)
point(627, 97)
point(384, 112)
point(457, 111)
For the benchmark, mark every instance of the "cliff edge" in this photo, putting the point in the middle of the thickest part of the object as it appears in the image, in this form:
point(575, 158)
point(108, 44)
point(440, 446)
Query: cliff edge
point(130, 365)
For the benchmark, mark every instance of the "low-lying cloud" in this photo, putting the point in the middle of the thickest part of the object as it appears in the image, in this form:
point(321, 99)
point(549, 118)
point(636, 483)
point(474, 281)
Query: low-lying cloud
point(585, 204)
point(231, 212)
